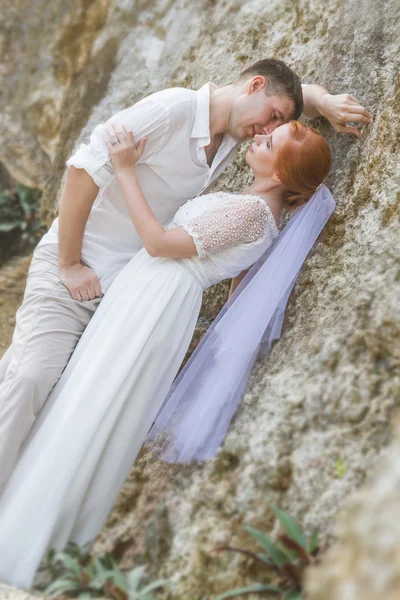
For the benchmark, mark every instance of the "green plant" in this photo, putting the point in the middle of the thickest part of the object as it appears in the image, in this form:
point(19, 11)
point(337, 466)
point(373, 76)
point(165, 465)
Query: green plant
point(340, 467)
point(80, 575)
point(55, 568)
point(287, 557)
point(19, 209)
point(19, 218)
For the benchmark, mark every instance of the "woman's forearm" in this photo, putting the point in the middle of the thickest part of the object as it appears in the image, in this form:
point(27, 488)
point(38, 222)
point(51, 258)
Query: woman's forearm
point(159, 242)
point(146, 223)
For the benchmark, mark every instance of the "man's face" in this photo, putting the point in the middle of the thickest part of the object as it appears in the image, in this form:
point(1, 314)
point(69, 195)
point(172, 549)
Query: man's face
point(255, 112)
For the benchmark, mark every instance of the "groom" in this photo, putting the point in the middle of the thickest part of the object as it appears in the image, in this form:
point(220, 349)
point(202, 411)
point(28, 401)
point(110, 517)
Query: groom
point(191, 137)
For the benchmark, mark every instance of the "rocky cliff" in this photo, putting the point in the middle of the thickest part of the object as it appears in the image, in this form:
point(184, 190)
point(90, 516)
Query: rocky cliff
point(327, 392)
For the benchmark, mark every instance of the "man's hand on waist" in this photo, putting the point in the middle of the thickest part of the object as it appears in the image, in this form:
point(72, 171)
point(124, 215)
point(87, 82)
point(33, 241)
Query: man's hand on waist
point(82, 283)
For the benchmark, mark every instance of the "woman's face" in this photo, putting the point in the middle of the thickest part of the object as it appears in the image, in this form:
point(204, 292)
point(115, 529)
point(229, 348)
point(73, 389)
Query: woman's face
point(262, 153)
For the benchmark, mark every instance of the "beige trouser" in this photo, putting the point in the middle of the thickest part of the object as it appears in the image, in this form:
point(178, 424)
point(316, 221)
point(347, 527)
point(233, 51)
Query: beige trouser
point(49, 324)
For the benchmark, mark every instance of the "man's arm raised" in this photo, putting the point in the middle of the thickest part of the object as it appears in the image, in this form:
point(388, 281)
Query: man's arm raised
point(339, 109)
point(77, 197)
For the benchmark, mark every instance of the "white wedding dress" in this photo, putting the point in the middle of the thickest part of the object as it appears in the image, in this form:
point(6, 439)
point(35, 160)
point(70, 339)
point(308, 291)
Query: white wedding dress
point(90, 431)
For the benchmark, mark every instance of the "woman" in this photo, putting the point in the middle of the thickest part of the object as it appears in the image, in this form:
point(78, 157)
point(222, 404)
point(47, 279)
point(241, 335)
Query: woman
point(95, 421)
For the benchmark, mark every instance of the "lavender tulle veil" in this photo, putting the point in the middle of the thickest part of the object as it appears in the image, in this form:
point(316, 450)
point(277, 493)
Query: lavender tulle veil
point(196, 413)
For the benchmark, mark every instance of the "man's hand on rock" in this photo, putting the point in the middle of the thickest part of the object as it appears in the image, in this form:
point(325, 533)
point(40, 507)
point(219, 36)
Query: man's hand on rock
point(82, 283)
point(341, 109)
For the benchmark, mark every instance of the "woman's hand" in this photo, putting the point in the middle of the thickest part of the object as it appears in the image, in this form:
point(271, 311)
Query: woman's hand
point(124, 153)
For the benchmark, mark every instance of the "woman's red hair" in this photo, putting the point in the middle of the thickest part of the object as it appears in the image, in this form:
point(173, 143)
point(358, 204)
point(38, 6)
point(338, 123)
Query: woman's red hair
point(302, 163)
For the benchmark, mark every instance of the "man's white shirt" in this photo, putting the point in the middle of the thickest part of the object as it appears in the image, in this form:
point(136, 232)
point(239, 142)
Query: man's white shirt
point(172, 170)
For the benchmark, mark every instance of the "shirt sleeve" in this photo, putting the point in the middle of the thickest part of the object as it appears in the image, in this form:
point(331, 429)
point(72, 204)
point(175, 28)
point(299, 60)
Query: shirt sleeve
point(240, 222)
point(145, 118)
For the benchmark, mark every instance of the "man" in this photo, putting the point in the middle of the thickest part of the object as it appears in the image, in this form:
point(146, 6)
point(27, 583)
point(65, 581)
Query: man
point(191, 136)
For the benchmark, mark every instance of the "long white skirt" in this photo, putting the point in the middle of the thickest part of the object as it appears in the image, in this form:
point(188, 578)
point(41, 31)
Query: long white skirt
point(91, 429)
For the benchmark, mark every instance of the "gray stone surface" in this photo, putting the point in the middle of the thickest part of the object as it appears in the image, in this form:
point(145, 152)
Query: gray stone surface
point(365, 563)
point(10, 593)
point(326, 394)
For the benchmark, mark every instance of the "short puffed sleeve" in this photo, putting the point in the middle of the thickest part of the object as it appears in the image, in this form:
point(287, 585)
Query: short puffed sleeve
point(243, 220)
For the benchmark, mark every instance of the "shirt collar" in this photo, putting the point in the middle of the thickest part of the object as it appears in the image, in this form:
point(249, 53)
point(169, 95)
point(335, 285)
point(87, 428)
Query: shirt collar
point(201, 125)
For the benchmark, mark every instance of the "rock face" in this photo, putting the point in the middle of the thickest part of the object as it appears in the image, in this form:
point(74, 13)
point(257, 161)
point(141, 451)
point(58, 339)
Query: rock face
point(316, 414)
point(10, 593)
point(44, 48)
point(365, 564)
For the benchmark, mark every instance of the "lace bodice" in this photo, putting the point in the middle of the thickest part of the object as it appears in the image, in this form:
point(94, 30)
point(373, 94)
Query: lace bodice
point(230, 232)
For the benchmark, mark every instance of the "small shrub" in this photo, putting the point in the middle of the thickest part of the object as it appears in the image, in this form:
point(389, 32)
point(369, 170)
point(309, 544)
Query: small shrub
point(78, 574)
point(20, 224)
point(287, 557)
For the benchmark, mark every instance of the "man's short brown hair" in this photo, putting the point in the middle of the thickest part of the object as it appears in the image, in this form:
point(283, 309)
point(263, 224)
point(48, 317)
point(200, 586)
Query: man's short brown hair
point(281, 81)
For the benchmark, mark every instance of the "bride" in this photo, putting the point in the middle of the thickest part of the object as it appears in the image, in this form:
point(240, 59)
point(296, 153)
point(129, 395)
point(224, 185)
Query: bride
point(87, 436)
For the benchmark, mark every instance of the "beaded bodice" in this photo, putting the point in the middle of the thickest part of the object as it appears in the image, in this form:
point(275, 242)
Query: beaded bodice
point(230, 232)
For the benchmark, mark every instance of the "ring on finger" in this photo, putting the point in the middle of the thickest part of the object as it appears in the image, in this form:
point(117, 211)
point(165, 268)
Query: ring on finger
point(116, 132)
point(113, 136)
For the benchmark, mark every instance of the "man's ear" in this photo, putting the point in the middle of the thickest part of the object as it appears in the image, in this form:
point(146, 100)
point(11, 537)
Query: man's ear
point(257, 83)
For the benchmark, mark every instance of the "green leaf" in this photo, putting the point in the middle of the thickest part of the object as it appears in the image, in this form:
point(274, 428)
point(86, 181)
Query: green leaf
point(291, 554)
point(291, 527)
point(25, 197)
point(28, 197)
point(91, 570)
point(85, 549)
point(120, 593)
point(277, 555)
point(155, 585)
point(264, 557)
point(46, 562)
point(114, 574)
point(255, 587)
point(50, 554)
point(109, 561)
point(6, 197)
point(72, 549)
point(69, 563)
point(133, 578)
point(97, 584)
point(313, 543)
point(293, 595)
point(100, 578)
point(119, 578)
point(99, 568)
point(61, 585)
point(10, 226)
